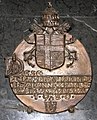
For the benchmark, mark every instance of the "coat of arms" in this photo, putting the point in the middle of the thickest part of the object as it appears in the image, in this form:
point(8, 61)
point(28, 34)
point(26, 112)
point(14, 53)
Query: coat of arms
point(49, 42)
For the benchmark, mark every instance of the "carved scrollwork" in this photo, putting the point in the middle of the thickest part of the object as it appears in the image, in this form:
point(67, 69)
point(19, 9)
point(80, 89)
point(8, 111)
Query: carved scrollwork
point(28, 55)
point(71, 56)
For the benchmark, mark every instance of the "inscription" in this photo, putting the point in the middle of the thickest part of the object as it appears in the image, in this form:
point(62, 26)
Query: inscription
point(61, 87)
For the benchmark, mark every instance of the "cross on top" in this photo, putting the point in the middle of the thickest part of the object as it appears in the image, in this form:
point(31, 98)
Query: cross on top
point(49, 4)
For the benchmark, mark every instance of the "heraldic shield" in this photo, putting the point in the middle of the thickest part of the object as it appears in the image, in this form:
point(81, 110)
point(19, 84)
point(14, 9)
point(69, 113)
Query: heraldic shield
point(50, 50)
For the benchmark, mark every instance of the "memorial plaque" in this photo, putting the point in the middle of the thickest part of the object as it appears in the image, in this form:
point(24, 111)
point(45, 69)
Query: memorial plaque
point(50, 70)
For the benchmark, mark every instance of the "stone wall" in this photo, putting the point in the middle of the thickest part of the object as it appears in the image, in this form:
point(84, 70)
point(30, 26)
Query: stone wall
point(16, 16)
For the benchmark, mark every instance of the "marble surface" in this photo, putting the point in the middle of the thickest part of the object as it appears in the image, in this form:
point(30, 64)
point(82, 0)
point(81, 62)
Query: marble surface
point(15, 19)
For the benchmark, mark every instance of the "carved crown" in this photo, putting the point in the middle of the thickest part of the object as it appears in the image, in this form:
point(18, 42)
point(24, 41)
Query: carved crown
point(50, 17)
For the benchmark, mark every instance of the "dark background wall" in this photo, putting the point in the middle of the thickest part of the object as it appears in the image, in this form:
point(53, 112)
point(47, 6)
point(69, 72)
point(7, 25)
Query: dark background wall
point(16, 17)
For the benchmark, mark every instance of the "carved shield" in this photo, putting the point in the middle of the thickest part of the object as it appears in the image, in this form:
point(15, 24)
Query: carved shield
point(50, 50)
